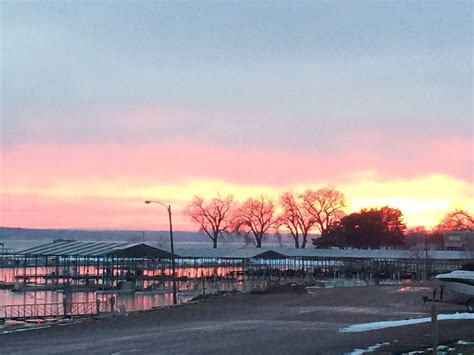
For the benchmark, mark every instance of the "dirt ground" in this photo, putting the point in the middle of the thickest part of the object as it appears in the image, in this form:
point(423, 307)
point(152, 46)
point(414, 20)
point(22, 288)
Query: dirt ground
point(273, 323)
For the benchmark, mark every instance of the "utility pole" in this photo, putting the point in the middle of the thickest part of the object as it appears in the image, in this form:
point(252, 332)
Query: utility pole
point(434, 327)
point(173, 261)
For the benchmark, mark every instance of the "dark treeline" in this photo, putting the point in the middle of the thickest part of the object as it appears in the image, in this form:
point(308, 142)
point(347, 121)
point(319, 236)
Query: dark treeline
point(319, 211)
point(297, 214)
point(373, 228)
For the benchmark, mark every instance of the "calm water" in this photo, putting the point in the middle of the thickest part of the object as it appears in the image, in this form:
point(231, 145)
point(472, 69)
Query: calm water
point(132, 302)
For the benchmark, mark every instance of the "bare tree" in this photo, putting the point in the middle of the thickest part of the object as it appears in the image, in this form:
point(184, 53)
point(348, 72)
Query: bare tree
point(211, 218)
point(458, 220)
point(325, 205)
point(256, 216)
point(296, 218)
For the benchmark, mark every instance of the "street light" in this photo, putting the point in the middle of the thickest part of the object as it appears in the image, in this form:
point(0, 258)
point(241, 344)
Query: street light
point(3, 254)
point(173, 263)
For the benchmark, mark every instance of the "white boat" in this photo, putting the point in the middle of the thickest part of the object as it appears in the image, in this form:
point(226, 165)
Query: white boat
point(155, 291)
point(460, 283)
point(194, 291)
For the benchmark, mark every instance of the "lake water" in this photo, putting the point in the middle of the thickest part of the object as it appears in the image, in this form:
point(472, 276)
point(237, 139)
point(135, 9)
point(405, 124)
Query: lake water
point(132, 302)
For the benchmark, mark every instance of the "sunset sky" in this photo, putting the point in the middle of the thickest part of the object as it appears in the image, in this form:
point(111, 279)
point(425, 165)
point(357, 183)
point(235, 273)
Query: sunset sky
point(107, 104)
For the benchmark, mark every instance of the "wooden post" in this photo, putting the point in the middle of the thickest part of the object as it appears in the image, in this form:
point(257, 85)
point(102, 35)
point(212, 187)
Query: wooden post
point(203, 284)
point(434, 326)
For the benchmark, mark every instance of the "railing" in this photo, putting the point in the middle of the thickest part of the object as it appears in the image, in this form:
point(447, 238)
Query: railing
point(84, 308)
point(46, 310)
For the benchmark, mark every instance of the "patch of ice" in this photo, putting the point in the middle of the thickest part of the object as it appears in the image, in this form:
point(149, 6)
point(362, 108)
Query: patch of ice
point(462, 342)
point(25, 329)
point(368, 350)
point(363, 327)
point(411, 289)
point(442, 349)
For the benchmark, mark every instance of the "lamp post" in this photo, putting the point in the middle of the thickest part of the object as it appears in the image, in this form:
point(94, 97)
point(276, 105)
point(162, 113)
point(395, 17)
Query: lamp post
point(2, 256)
point(173, 263)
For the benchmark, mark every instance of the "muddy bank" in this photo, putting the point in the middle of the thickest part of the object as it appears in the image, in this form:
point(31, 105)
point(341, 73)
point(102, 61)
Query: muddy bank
point(278, 321)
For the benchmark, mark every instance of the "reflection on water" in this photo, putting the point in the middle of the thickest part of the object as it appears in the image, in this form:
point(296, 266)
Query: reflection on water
point(42, 274)
point(200, 280)
point(406, 289)
point(131, 302)
point(7, 297)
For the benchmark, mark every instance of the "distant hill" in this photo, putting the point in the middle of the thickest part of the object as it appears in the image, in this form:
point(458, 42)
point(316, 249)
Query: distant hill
point(23, 238)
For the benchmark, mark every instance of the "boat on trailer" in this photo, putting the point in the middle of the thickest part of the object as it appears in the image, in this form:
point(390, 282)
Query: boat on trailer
point(460, 283)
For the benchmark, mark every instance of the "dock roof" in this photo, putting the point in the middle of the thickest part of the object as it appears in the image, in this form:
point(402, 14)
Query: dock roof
point(141, 250)
point(95, 249)
point(378, 254)
point(230, 253)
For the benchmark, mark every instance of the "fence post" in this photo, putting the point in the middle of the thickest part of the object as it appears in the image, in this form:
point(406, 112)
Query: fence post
point(64, 305)
point(112, 303)
point(434, 324)
point(203, 284)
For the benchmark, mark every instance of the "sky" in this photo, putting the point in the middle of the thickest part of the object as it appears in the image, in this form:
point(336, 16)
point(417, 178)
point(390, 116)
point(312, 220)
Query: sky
point(105, 104)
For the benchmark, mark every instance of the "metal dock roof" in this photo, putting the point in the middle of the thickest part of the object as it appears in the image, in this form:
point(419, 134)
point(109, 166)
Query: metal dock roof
point(378, 254)
point(91, 249)
point(230, 253)
point(124, 249)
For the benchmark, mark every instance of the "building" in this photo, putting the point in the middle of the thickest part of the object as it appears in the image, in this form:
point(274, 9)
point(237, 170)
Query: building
point(459, 240)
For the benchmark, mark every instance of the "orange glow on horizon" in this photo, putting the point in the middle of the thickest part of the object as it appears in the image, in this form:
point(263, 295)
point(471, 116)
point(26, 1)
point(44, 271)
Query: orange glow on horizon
point(96, 204)
point(104, 185)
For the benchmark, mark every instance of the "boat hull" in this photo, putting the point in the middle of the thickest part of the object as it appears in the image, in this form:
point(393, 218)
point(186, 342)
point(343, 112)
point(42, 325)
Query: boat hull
point(460, 292)
point(460, 284)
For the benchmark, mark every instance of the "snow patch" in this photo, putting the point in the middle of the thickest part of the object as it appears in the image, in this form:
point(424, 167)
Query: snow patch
point(363, 327)
point(24, 329)
point(462, 342)
point(368, 350)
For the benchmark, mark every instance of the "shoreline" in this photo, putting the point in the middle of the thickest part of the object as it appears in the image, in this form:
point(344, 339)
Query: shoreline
point(256, 323)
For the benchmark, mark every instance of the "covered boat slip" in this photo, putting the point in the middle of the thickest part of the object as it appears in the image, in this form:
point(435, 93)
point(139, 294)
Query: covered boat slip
point(85, 266)
point(379, 263)
point(90, 266)
point(123, 267)
point(324, 263)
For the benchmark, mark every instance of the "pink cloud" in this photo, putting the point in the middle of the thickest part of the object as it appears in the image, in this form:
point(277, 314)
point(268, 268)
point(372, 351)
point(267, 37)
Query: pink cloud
point(48, 164)
point(34, 174)
point(31, 171)
point(29, 210)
